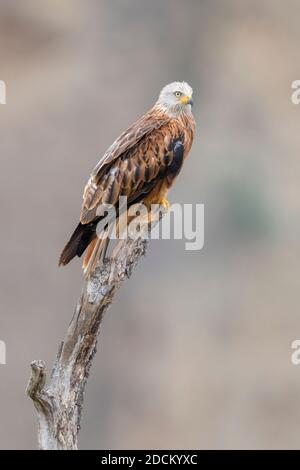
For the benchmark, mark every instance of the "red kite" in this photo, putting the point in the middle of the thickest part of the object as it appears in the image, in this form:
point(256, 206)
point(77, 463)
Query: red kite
point(141, 164)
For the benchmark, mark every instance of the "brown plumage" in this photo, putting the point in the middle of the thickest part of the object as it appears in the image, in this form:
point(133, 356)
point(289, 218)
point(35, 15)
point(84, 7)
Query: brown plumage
point(141, 164)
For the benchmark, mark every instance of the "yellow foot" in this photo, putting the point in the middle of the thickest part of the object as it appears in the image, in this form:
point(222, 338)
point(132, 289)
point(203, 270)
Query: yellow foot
point(165, 203)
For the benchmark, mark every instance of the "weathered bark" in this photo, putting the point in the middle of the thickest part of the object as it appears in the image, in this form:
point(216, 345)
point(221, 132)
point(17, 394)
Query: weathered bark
point(59, 404)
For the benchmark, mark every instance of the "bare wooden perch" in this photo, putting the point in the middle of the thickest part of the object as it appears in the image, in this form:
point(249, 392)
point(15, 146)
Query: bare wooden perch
point(59, 404)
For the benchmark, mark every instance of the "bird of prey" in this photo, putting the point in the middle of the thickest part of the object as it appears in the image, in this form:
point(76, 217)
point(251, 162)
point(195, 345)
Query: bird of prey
point(141, 164)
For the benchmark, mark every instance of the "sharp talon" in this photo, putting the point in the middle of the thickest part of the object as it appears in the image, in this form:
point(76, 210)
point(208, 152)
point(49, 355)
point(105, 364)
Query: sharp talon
point(165, 203)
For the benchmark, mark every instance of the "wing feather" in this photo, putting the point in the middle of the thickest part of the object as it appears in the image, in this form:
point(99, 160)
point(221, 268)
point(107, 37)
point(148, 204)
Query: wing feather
point(132, 164)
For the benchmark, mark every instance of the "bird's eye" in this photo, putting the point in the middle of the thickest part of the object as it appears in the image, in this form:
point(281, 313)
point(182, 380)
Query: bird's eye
point(177, 94)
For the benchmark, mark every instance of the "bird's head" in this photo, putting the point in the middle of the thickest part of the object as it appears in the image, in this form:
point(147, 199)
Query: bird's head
point(176, 97)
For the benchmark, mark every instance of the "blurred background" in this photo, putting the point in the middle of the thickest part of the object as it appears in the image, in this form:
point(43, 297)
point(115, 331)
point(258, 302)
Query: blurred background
point(195, 352)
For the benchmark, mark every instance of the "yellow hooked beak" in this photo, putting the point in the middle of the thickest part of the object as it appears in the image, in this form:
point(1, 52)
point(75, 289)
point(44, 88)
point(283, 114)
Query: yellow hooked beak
point(187, 100)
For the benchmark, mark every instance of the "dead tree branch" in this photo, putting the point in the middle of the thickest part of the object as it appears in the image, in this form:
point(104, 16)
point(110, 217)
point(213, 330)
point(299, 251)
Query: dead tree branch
point(59, 404)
